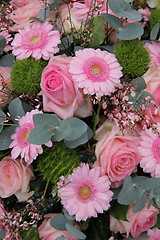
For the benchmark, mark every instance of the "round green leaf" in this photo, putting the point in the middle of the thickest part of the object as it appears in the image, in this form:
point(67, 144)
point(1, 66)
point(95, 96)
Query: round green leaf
point(130, 31)
point(59, 222)
point(5, 137)
point(2, 117)
point(74, 231)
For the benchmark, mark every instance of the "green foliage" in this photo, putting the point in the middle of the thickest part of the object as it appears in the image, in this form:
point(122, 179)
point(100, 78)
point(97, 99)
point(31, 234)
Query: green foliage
point(138, 190)
point(118, 211)
point(32, 233)
point(57, 161)
point(26, 76)
point(154, 17)
point(133, 57)
point(98, 31)
point(2, 43)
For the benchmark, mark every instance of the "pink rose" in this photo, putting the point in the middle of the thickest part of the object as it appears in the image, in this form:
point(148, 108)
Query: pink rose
point(47, 232)
point(14, 176)
point(137, 222)
point(21, 16)
point(117, 154)
point(152, 79)
point(60, 94)
point(5, 78)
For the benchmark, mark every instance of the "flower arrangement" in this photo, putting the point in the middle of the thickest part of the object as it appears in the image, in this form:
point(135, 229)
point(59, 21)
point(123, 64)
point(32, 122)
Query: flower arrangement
point(80, 120)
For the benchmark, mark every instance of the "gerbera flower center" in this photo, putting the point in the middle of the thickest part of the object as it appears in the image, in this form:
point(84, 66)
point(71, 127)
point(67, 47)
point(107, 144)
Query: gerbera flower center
point(85, 192)
point(96, 69)
point(156, 149)
point(34, 39)
point(23, 134)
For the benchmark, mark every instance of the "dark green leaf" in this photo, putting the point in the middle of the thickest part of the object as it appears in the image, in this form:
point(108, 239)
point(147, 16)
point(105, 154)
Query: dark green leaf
point(109, 48)
point(6, 61)
point(5, 137)
point(2, 118)
point(130, 31)
point(128, 194)
point(31, 233)
point(74, 231)
point(2, 43)
point(116, 192)
point(113, 21)
point(59, 222)
point(118, 211)
point(158, 221)
point(98, 31)
point(154, 32)
point(16, 109)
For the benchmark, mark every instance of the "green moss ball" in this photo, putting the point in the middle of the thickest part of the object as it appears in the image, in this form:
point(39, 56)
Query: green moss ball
point(154, 17)
point(57, 161)
point(26, 76)
point(133, 57)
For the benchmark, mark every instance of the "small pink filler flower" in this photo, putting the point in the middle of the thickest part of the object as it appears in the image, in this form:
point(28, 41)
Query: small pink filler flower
point(150, 151)
point(97, 72)
point(86, 194)
point(20, 143)
point(37, 41)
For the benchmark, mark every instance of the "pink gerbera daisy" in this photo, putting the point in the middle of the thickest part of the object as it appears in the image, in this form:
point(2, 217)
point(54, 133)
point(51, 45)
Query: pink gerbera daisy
point(150, 151)
point(20, 143)
point(8, 38)
point(97, 72)
point(38, 41)
point(86, 194)
point(154, 50)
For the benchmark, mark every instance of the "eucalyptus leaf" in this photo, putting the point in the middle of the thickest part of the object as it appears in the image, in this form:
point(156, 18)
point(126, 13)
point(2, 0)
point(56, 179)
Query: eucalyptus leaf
point(7, 61)
point(78, 128)
point(123, 9)
point(130, 31)
point(158, 200)
point(74, 231)
point(112, 20)
point(40, 134)
point(154, 32)
point(79, 141)
point(58, 222)
point(51, 119)
point(66, 214)
point(140, 202)
point(5, 137)
point(150, 199)
point(2, 43)
point(2, 118)
point(60, 238)
point(128, 194)
point(109, 48)
point(44, 12)
point(16, 109)
point(63, 131)
point(139, 84)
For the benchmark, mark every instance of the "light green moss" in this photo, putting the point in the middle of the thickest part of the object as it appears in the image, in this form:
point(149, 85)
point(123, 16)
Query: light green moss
point(57, 161)
point(26, 76)
point(133, 57)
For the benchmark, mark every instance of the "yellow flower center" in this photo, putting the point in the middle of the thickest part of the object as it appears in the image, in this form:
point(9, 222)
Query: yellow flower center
point(34, 39)
point(85, 192)
point(96, 70)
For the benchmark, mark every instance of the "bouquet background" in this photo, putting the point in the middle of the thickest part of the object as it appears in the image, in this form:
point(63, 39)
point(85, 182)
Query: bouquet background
point(79, 120)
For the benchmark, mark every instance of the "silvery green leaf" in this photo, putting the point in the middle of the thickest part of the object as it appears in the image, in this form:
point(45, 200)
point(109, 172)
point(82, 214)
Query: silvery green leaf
point(58, 222)
point(154, 32)
point(140, 201)
point(113, 21)
point(2, 43)
point(7, 61)
point(5, 137)
point(44, 12)
point(75, 231)
point(2, 118)
point(16, 109)
point(130, 31)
